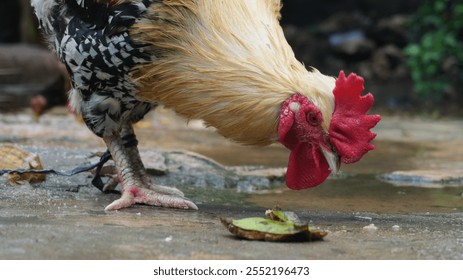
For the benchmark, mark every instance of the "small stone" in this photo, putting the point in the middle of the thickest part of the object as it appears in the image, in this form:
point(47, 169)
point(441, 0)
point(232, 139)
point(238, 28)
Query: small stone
point(370, 227)
point(168, 238)
point(395, 227)
point(154, 161)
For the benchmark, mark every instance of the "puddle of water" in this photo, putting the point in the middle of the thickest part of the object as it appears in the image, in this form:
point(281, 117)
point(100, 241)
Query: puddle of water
point(364, 193)
point(389, 156)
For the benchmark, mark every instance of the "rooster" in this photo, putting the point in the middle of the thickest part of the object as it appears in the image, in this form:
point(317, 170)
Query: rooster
point(225, 62)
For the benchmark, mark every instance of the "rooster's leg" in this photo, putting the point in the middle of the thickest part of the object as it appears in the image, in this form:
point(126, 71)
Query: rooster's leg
point(130, 144)
point(135, 183)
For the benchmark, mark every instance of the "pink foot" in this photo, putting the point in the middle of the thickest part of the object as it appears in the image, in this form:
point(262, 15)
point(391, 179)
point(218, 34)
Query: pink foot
point(134, 195)
point(136, 184)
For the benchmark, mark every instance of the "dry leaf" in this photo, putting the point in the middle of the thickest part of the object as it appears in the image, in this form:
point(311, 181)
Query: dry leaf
point(13, 158)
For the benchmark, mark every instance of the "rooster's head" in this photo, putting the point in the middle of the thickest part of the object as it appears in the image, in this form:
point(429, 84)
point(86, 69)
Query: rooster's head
point(318, 149)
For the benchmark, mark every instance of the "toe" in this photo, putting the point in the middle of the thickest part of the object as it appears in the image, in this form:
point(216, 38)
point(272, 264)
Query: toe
point(111, 184)
point(151, 197)
point(120, 203)
point(166, 190)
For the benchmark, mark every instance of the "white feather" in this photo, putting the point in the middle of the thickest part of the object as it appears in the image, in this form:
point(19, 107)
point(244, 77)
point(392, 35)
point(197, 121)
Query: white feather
point(75, 101)
point(43, 9)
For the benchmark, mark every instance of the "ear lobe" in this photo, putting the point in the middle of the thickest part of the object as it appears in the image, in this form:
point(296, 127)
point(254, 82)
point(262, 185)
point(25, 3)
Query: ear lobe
point(285, 124)
point(288, 112)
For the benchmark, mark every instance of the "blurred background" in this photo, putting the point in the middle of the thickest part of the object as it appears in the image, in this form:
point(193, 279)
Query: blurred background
point(409, 52)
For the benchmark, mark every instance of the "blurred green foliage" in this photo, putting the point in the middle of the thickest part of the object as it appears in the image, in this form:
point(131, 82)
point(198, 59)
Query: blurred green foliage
point(435, 55)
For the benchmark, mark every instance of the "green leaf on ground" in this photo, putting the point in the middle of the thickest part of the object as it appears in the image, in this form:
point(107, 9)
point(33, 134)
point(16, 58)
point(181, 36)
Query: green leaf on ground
point(279, 226)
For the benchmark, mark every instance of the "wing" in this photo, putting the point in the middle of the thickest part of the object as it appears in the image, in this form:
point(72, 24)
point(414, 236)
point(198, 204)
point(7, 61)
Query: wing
point(96, 46)
point(92, 39)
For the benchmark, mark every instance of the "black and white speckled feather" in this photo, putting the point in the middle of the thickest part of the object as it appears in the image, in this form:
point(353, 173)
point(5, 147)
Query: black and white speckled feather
point(91, 37)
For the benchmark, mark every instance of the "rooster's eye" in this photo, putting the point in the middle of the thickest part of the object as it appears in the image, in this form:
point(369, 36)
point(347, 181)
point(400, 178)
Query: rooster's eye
point(312, 119)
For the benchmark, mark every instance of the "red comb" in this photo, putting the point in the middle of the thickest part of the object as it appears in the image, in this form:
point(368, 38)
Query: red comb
point(350, 125)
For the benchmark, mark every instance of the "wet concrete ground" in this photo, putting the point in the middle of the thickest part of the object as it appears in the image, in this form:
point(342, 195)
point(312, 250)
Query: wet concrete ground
point(63, 218)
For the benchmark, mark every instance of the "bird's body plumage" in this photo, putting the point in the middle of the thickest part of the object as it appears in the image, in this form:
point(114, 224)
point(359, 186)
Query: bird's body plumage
point(92, 39)
point(187, 56)
point(225, 62)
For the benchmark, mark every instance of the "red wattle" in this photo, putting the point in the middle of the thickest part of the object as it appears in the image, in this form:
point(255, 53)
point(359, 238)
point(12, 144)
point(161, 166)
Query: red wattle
point(307, 167)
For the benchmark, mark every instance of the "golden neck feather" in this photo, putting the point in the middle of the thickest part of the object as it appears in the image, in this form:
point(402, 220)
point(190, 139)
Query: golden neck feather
point(226, 62)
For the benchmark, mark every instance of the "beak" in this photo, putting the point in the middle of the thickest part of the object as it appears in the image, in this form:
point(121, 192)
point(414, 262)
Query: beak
point(333, 159)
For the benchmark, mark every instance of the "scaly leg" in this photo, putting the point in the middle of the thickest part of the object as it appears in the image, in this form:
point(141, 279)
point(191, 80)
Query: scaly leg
point(135, 183)
point(130, 144)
